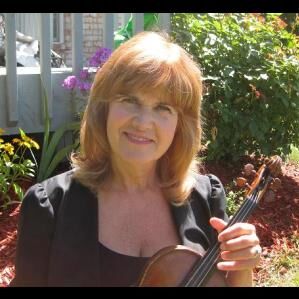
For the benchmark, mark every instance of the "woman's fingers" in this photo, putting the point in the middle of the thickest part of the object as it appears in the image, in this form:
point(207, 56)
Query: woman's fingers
point(240, 242)
point(217, 224)
point(236, 230)
point(240, 249)
point(236, 265)
point(252, 252)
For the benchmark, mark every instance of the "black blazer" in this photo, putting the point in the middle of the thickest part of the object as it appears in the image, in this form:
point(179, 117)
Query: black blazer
point(57, 234)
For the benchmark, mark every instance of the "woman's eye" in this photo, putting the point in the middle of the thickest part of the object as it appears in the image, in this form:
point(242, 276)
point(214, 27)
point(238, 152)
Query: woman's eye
point(128, 100)
point(165, 108)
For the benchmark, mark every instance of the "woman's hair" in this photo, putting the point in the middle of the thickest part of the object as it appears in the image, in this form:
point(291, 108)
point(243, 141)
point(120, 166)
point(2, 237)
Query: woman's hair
point(149, 62)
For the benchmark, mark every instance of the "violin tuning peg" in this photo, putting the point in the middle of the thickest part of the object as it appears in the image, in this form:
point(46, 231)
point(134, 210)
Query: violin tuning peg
point(248, 168)
point(247, 186)
point(266, 160)
point(241, 182)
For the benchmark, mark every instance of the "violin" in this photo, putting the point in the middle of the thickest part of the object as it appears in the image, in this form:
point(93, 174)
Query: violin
point(181, 266)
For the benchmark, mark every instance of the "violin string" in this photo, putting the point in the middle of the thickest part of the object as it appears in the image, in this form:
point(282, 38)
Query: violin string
point(254, 200)
point(209, 259)
point(214, 254)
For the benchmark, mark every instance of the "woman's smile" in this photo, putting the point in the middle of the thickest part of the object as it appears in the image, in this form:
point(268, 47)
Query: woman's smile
point(140, 127)
point(137, 139)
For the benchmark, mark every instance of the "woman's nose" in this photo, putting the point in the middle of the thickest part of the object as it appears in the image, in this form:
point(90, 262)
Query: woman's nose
point(143, 118)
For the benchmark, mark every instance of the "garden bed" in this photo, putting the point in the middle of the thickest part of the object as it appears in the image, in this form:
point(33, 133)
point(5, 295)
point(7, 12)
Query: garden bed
point(277, 224)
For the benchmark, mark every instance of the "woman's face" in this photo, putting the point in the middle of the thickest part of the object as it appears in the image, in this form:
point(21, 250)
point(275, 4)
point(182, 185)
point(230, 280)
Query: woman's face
point(140, 128)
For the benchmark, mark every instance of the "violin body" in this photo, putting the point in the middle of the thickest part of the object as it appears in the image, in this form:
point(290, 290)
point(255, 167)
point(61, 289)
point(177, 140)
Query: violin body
point(170, 265)
point(181, 266)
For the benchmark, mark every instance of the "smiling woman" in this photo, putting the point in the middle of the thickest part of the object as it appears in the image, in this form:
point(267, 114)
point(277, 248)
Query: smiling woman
point(147, 66)
point(134, 188)
point(140, 128)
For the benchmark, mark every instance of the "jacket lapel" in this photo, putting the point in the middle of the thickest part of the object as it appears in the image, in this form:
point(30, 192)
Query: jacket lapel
point(187, 223)
point(75, 244)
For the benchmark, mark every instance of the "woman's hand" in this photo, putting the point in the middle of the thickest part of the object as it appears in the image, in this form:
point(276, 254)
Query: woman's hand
point(240, 246)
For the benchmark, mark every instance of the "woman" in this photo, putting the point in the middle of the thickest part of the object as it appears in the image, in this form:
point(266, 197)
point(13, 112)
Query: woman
point(134, 187)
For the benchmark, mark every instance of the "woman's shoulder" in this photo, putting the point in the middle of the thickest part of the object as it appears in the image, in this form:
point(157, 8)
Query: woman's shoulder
point(209, 185)
point(209, 188)
point(48, 192)
point(62, 180)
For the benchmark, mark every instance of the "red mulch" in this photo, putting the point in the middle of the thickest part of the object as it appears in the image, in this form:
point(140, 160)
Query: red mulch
point(276, 222)
point(8, 234)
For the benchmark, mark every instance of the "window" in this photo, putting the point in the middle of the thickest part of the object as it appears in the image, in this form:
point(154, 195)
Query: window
point(58, 36)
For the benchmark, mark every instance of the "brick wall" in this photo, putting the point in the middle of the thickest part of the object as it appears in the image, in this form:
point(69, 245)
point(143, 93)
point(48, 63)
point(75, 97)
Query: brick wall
point(92, 36)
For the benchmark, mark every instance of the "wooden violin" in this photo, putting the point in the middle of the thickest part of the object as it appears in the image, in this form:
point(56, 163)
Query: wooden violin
point(181, 266)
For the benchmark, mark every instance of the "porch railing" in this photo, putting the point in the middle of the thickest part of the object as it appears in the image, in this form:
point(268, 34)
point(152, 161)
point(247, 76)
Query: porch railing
point(20, 87)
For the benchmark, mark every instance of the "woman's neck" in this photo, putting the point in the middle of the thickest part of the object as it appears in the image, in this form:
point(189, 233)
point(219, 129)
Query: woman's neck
point(133, 177)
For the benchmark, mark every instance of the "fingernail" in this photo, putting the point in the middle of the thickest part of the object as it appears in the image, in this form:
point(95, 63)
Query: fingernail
point(220, 266)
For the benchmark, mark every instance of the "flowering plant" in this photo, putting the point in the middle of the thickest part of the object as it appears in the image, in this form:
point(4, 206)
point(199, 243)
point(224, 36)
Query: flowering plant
point(80, 85)
point(14, 167)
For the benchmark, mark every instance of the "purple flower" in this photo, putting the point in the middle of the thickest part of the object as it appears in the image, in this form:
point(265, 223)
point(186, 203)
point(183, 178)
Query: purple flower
point(84, 86)
point(81, 84)
point(100, 57)
point(84, 74)
point(70, 82)
point(87, 85)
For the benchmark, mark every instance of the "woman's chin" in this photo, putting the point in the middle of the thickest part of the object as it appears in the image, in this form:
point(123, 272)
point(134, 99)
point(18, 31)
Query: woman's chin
point(138, 159)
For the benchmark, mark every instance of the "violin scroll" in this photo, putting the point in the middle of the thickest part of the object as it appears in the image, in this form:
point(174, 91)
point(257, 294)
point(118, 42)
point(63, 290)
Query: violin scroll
point(274, 165)
point(265, 178)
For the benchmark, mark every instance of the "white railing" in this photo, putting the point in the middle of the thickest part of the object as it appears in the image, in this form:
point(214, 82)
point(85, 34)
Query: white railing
point(20, 87)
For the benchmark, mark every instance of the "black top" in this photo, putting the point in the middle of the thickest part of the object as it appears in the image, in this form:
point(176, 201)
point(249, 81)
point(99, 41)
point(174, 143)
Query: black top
point(119, 270)
point(58, 230)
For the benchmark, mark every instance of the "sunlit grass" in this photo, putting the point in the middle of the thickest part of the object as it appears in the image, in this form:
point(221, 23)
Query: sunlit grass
point(289, 279)
point(282, 270)
point(293, 157)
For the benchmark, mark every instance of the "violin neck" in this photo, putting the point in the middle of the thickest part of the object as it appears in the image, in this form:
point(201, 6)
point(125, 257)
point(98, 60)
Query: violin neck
point(205, 266)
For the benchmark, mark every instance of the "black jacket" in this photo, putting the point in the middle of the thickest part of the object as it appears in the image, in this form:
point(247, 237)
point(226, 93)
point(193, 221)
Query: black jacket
point(57, 233)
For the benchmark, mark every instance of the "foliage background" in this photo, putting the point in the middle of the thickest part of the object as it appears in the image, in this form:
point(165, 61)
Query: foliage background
point(251, 73)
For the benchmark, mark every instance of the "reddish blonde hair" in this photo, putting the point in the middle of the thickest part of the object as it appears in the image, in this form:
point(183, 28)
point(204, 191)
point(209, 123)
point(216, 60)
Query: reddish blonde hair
point(149, 62)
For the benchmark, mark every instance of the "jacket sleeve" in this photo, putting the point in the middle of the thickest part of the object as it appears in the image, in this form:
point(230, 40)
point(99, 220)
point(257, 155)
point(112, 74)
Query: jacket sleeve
point(217, 199)
point(35, 232)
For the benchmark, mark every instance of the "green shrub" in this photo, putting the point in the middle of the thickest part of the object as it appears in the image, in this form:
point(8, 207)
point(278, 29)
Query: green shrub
point(15, 167)
point(52, 155)
point(293, 157)
point(251, 73)
point(234, 200)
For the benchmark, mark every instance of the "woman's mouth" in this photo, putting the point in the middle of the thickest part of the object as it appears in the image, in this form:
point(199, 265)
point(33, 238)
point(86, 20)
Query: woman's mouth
point(137, 139)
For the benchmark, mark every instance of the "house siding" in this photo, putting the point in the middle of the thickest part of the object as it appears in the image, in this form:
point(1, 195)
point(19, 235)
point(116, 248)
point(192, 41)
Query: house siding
point(92, 36)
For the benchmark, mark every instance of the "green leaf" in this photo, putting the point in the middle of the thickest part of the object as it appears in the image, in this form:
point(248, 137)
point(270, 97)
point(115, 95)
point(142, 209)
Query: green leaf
point(285, 101)
point(6, 159)
point(18, 190)
point(46, 121)
point(22, 133)
point(249, 78)
point(126, 32)
point(253, 128)
point(49, 152)
point(58, 157)
point(50, 144)
point(264, 76)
